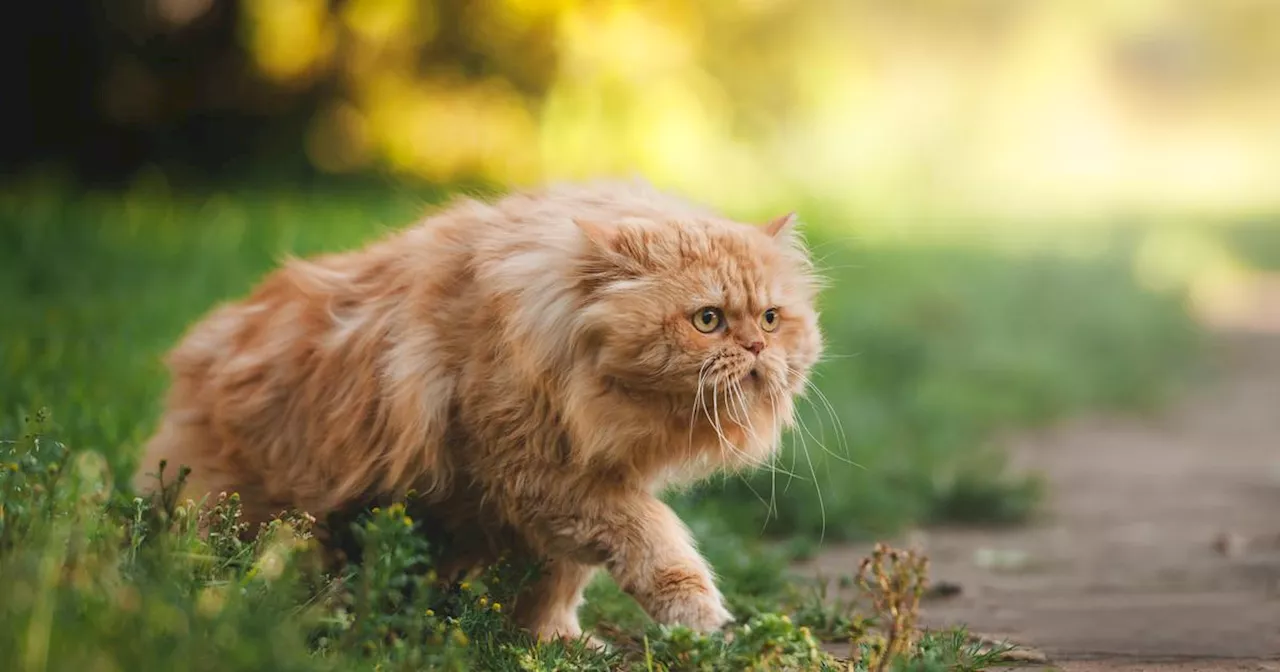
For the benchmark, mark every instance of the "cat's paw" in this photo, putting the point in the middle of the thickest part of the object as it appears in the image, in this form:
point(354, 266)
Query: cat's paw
point(693, 602)
point(703, 613)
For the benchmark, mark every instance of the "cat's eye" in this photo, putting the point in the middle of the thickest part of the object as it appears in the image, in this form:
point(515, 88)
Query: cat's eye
point(770, 320)
point(707, 319)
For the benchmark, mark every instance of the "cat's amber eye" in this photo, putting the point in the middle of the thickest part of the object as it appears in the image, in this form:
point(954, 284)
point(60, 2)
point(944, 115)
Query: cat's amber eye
point(770, 320)
point(708, 319)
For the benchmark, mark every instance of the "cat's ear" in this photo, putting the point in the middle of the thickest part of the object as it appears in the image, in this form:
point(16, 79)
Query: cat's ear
point(780, 227)
point(616, 244)
point(601, 236)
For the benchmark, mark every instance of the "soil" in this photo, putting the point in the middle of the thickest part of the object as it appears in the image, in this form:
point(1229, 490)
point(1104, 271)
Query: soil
point(1159, 544)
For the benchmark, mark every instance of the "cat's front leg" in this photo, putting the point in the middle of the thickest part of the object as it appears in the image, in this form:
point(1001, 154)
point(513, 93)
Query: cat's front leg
point(651, 555)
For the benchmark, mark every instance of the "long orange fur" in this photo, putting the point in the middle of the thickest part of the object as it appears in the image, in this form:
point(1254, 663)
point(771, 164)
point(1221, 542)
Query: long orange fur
point(529, 368)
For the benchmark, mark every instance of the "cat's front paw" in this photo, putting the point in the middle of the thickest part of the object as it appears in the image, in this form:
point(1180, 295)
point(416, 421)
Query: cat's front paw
point(706, 615)
point(691, 601)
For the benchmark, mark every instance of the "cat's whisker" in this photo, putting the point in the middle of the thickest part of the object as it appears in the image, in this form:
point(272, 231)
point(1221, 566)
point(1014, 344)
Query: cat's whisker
point(701, 399)
point(730, 405)
point(773, 473)
point(840, 433)
point(820, 439)
point(804, 430)
point(715, 421)
point(800, 436)
point(828, 356)
point(735, 393)
point(841, 436)
point(740, 397)
point(741, 455)
point(817, 488)
point(698, 398)
point(752, 490)
point(725, 443)
point(767, 460)
point(722, 441)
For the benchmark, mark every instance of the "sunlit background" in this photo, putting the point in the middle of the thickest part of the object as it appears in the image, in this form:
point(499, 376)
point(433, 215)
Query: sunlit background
point(911, 117)
point(910, 109)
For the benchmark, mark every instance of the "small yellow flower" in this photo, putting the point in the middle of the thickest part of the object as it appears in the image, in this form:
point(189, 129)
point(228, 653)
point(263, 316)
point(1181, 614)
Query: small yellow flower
point(408, 522)
point(497, 606)
point(484, 601)
point(377, 509)
point(430, 612)
point(460, 637)
point(466, 585)
point(210, 602)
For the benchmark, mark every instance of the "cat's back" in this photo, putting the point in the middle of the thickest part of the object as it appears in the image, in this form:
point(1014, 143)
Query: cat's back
point(524, 240)
point(556, 205)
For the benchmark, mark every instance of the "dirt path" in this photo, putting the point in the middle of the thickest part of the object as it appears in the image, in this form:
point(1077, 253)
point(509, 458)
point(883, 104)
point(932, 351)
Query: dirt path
point(1160, 547)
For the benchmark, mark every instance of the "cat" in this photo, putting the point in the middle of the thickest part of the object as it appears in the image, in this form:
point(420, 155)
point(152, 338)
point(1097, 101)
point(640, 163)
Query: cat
point(533, 371)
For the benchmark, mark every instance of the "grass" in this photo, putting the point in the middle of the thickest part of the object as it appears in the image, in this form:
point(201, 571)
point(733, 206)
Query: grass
point(933, 350)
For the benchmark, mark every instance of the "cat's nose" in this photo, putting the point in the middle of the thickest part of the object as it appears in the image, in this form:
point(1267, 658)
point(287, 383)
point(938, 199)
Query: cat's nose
point(754, 347)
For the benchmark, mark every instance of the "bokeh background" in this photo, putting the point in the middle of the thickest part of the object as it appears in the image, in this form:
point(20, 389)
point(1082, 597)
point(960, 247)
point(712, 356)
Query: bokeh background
point(1022, 203)
point(1028, 210)
point(913, 110)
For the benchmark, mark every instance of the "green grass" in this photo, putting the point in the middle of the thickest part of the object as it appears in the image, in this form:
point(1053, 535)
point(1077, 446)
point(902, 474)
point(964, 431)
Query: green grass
point(932, 351)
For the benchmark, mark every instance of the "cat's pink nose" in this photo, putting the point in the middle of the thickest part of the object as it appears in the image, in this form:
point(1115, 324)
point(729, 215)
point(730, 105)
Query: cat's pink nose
point(754, 347)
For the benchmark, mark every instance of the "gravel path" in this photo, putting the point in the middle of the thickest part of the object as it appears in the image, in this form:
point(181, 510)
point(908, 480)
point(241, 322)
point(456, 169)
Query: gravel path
point(1160, 543)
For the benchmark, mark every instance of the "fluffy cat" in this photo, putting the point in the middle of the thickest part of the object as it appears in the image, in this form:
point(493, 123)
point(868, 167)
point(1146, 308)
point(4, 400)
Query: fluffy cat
point(534, 369)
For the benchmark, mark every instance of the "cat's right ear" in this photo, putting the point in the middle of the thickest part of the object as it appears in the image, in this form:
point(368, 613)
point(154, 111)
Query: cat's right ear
point(781, 227)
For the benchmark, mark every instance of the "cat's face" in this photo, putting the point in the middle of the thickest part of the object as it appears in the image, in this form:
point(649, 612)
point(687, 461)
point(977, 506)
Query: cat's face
point(717, 313)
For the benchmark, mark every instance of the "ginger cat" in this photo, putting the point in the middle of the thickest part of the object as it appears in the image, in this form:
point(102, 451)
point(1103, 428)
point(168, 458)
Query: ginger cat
point(535, 370)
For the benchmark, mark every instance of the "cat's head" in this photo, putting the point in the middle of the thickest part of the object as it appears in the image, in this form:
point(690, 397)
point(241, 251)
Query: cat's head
point(716, 315)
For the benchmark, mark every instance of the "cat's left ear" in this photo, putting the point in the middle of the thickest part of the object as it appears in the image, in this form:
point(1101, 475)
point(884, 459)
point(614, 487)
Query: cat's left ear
point(620, 246)
point(602, 236)
point(781, 227)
